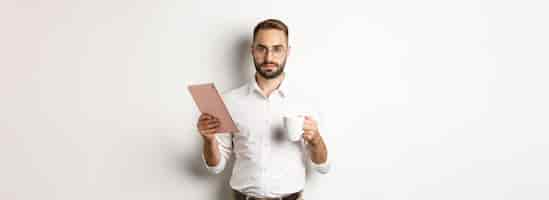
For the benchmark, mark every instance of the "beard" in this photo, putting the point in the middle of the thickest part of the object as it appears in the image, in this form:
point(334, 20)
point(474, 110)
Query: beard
point(268, 73)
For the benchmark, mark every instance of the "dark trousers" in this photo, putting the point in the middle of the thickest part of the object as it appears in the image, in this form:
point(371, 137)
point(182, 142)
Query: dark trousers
point(240, 196)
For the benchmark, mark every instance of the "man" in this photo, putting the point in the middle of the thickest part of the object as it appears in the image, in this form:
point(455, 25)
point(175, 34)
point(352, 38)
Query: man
point(267, 164)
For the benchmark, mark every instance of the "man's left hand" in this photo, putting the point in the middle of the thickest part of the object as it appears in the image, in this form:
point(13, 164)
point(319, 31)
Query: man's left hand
point(310, 131)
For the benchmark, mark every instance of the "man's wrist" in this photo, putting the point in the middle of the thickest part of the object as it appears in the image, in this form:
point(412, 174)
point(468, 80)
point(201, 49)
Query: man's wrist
point(208, 140)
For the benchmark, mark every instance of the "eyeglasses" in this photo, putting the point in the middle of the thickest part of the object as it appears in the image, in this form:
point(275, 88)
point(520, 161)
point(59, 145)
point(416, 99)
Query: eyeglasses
point(276, 51)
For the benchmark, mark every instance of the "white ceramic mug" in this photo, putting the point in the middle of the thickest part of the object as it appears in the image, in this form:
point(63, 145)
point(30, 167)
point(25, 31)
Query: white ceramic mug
point(294, 126)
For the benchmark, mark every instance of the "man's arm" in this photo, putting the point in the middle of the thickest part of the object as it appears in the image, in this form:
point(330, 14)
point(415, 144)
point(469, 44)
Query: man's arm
point(217, 147)
point(316, 145)
point(318, 151)
point(211, 152)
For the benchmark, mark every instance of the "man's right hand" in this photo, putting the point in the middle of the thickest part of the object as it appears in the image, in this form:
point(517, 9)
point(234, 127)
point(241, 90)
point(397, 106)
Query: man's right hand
point(207, 126)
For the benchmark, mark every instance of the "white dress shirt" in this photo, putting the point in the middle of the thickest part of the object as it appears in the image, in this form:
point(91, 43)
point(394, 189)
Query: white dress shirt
point(267, 163)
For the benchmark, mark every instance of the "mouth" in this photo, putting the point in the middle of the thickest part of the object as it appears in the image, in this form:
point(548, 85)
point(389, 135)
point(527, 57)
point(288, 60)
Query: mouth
point(269, 66)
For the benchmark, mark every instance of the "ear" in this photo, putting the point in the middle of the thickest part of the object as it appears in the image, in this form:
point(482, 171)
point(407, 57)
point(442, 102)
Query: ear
point(288, 51)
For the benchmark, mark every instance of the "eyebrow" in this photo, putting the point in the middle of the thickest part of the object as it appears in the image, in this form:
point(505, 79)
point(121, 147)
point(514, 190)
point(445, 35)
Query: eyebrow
point(278, 45)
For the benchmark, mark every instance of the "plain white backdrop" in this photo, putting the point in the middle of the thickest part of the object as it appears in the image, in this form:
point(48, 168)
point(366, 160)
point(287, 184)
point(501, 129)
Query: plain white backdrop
point(425, 99)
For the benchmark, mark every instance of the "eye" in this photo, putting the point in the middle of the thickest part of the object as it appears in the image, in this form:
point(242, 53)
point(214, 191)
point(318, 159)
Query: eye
point(261, 49)
point(278, 49)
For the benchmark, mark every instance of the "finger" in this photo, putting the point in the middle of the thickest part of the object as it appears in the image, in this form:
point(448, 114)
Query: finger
point(312, 122)
point(210, 125)
point(310, 134)
point(307, 133)
point(204, 116)
point(212, 121)
point(209, 131)
point(209, 116)
point(207, 124)
point(307, 137)
point(309, 128)
point(208, 121)
point(213, 125)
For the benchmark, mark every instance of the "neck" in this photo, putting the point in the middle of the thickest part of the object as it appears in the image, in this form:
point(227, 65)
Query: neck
point(268, 85)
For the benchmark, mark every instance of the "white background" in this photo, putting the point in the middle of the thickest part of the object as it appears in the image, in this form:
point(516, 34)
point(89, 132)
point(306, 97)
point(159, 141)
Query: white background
point(426, 99)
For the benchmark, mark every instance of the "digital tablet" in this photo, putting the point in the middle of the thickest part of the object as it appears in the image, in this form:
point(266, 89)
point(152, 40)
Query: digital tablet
point(208, 100)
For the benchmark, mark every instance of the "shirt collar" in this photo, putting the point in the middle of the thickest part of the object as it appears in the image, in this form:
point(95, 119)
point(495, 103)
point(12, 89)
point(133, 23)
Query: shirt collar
point(282, 88)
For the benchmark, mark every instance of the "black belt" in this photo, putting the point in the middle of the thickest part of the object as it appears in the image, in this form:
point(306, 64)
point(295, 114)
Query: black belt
point(241, 196)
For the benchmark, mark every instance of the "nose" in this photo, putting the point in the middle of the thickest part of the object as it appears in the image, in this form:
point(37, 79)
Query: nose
point(269, 56)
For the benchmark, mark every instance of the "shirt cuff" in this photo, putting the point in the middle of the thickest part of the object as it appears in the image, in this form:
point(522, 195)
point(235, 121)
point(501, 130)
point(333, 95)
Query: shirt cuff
point(322, 168)
point(215, 169)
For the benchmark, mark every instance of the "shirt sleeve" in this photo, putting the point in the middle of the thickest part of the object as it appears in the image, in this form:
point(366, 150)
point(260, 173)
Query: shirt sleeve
point(224, 142)
point(322, 168)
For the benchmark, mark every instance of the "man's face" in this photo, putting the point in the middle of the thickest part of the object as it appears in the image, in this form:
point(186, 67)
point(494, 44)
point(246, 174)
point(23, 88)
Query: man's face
point(270, 51)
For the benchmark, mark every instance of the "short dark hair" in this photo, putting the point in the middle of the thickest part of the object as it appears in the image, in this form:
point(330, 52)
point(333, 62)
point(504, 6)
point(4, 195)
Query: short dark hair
point(271, 24)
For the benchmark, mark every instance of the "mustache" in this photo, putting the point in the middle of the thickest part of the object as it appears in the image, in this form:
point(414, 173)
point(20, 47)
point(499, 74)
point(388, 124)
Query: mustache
point(269, 63)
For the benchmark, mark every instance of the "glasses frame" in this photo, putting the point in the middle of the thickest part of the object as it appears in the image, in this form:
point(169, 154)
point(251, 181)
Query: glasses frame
point(264, 51)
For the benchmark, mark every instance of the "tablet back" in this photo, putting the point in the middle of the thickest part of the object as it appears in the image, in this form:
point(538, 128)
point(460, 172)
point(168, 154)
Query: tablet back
point(208, 100)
